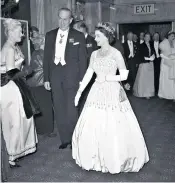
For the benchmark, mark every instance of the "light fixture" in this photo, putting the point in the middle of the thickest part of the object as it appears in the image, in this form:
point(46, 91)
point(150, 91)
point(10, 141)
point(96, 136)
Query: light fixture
point(112, 7)
point(8, 6)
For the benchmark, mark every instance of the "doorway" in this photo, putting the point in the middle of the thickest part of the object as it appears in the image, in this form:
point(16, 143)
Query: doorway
point(161, 27)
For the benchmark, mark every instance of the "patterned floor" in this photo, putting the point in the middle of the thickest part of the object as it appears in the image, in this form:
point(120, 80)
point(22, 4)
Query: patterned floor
point(157, 121)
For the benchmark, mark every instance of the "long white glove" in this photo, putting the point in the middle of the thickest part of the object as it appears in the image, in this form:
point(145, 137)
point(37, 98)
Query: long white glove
point(150, 58)
point(83, 84)
point(122, 77)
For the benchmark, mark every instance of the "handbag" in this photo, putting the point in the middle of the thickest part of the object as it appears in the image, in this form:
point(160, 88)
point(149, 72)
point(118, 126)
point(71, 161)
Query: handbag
point(124, 103)
point(122, 94)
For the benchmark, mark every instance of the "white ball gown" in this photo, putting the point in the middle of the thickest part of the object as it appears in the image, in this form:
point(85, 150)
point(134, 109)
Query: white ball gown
point(18, 130)
point(107, 136)
point(166, 83)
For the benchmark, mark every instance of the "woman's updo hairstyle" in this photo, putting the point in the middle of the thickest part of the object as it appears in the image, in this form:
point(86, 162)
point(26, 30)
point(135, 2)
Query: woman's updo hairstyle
point(170, 33)
point(107, 29)
point(10, 25)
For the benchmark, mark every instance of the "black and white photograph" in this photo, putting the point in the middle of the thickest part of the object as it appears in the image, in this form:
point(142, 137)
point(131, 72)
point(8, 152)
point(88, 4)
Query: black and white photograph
point(87, 90)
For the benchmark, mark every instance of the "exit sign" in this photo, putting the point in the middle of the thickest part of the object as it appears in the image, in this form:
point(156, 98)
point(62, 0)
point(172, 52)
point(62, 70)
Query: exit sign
point(144, 9)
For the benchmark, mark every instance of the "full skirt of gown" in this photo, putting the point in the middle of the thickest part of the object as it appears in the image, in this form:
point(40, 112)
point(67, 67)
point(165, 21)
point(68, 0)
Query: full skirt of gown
point(18, 131)
point(107, 136)
point(144, 82)
point(166, 84)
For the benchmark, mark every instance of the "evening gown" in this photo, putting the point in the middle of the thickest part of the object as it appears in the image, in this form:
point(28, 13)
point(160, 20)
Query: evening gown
point(18, 130)
point(107, 136)
point(166, 83)
point(144, 82)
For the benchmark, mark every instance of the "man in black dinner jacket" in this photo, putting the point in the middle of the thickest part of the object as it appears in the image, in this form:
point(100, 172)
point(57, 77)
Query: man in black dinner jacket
point(131, 56)
point(157, 61)
point(65, 63)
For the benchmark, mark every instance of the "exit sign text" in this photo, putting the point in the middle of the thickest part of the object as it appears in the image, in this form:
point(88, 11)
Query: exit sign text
point(144, 9)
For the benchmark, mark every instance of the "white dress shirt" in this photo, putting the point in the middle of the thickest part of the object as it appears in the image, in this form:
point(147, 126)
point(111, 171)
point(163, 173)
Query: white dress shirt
point(131, 48)
point(156, 47)
point(60, 46)
point(141, 41)
point(86, 35)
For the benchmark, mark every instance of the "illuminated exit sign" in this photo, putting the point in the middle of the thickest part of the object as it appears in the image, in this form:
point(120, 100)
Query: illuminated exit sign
point(144, 9)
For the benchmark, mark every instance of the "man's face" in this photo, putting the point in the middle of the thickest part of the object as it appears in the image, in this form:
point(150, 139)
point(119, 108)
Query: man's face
point(147, 38)
point(64, 20)
point(130, 36)
point(156, 37)
point(142, 36)
point(135, 37)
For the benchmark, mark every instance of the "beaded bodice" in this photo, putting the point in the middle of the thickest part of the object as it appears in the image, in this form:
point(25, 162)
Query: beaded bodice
point(104, 94)
point(106, 65)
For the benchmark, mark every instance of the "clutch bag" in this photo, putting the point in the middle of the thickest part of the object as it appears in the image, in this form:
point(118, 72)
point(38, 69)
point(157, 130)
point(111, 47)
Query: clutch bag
point(122, 94)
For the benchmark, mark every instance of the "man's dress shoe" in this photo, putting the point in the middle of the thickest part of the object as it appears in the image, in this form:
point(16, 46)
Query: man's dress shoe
point(63, 146)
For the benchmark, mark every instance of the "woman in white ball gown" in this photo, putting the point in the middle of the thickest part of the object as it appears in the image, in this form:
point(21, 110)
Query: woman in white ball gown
point(107, 136)
point(17, 103)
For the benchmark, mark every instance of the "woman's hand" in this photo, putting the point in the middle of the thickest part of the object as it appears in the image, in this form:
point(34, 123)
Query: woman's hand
point(47, 85)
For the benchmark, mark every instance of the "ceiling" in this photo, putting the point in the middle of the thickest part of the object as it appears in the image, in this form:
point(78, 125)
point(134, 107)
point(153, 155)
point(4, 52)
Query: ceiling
point(86, 1)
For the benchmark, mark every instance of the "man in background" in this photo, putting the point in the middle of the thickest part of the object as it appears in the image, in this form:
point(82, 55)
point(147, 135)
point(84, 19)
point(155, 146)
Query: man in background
point(135, 38)
point(131, 56)
point(156, 42)
point(91, 44)
point(141, 37)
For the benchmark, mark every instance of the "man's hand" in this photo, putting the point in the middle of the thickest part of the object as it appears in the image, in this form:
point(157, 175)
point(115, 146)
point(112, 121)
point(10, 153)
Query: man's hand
point(47, 85)
point(152, 57)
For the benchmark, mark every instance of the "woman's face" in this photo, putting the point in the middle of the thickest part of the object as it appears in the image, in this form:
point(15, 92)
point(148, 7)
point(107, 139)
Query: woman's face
point(100, 38)
point(16, 34)
point(147, 38)
point(171, 37)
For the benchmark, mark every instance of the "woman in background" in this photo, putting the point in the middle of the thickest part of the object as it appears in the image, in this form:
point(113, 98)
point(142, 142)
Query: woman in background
point(167, 71)
point(144, 83)
point(44, 121)
point(17, 103)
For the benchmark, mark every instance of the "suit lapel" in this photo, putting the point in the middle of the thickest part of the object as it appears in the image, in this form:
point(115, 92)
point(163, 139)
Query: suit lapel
point(127, 47)
point(54, 42)
point(70, 40)
point(87, 39)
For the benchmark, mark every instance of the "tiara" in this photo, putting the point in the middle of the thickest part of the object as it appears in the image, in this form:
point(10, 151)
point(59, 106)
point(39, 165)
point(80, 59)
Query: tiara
point(107, 27)
point(171, 32)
